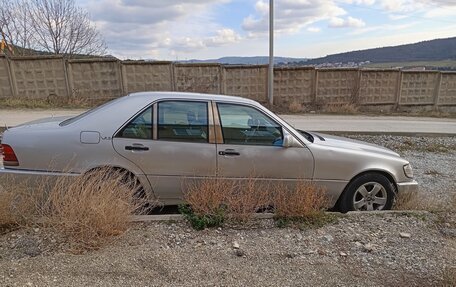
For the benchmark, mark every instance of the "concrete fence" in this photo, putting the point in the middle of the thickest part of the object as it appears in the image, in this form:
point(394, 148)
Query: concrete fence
point(52, 76)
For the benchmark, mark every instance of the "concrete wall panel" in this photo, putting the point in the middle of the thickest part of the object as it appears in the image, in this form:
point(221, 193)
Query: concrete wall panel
point(336, 86)
point(39, 78)
point(96, 79)
point(200, 78)
point(378, 87)
point(418, 88)
point(141, 76)
point(447, 94)
point(246, 81)
point(293, 85)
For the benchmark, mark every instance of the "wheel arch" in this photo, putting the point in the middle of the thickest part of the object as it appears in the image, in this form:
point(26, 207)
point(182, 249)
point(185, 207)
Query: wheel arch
point(144, 182)
point(385, 173)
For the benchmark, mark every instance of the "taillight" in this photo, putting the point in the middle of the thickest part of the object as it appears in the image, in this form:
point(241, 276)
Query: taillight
point(9, 157)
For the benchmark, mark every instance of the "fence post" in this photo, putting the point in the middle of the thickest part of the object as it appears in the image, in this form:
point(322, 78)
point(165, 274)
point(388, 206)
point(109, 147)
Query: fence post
point(438, 84)
point(315, 86)
point(10, 77)
point(123, 79)
point(398, 90)
point(67, 83)
point(70, 78)
point(13, 79)
point(172, 68)
point(221, 85)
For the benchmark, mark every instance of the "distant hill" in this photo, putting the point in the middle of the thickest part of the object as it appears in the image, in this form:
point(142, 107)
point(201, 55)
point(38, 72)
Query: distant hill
point(257, 60)
point(433, 50)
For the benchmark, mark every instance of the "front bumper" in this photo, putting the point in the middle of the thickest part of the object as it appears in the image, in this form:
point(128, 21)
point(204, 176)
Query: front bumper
point(409, 186)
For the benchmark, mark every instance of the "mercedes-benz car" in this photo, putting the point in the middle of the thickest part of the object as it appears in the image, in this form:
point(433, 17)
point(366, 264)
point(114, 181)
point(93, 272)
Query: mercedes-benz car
point(162, 138)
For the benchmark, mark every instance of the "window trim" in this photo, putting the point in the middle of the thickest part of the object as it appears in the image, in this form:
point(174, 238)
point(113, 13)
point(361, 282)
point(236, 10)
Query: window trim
point(220, 126)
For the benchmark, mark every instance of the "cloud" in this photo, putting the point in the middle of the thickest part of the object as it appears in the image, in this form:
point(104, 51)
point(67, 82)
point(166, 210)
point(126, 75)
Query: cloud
point(313, 29)
point(290, 16)
point(383, 28)
point(413, 6)
point(349, 22)
point(143, 29)
point(361, 2)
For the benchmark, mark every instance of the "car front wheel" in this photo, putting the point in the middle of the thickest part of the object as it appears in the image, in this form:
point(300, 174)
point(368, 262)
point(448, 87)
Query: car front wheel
point(368, 192)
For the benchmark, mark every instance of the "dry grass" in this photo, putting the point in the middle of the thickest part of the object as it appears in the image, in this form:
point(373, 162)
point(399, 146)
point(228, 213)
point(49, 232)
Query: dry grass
point(86, 210)
point(212, 201)
point(349, 108)
point(295, 107)
point(206, 196)
point(305, 200)
point(414, 201)
point(8, 217)
point(51, 102)
point(421, 201)
point(18, 205)
point(246, 198)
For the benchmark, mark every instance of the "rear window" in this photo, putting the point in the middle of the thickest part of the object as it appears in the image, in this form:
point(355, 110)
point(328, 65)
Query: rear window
point(84, 114)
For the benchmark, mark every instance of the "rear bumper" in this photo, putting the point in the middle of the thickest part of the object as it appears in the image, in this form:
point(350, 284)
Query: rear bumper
point(15, 176)
point(409, 186)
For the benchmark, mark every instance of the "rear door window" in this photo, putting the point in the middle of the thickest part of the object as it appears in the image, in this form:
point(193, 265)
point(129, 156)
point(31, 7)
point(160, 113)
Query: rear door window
point(140, 127)
point(184, 121)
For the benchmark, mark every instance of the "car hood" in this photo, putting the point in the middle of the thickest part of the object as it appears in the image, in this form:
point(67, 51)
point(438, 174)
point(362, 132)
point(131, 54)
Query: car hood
point(42, 123)
point(346, 143)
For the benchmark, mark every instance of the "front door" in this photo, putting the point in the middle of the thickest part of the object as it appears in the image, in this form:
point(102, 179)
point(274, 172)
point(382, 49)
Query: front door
point(252, 147)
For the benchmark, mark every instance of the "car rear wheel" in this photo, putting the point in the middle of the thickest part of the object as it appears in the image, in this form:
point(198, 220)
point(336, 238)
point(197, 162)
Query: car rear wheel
point(368, 192)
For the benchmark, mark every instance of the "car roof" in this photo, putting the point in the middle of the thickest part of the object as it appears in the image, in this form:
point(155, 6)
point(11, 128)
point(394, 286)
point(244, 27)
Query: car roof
point(186, 95)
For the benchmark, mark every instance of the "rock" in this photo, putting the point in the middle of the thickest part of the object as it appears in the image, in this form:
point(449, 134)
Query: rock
point(239, 253)
point(309, 252)
point(36, 229)
point(404, 235)
point(343, 254)
point(235, 245)
point(368, 247)
point(328, 238)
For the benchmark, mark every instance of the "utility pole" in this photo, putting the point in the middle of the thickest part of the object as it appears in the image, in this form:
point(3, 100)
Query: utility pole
point(271, 54)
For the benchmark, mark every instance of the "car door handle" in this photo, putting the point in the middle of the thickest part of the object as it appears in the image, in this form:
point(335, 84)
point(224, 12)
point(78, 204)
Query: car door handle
point(141, 148)
point(229, 152)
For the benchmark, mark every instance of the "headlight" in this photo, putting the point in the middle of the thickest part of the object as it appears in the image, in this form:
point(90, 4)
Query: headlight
point(408, 171)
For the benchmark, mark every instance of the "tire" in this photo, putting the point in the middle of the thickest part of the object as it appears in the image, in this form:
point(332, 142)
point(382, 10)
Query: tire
point(370, 191)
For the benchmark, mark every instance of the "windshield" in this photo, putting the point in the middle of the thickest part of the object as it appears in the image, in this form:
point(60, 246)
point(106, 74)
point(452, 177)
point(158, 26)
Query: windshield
point(84, 114)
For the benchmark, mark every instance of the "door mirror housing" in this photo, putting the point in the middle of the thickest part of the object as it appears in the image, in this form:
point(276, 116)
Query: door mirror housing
point(287, 140)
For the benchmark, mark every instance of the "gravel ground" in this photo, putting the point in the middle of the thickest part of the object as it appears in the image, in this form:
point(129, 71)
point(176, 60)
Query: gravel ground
point(358, 250)
point(386, 249)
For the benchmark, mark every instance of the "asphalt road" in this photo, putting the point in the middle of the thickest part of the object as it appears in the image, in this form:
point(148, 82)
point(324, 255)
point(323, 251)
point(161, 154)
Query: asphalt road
point(312, 122)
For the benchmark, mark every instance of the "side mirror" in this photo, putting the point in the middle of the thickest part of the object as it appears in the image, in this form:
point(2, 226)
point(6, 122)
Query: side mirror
point(287, 140)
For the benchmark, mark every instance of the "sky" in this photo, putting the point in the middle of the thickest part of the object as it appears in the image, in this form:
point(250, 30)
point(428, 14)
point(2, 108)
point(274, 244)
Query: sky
point(208, 29)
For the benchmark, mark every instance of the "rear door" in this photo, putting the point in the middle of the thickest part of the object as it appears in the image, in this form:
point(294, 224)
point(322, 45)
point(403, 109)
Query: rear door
point(171, 141)
point(252, 147)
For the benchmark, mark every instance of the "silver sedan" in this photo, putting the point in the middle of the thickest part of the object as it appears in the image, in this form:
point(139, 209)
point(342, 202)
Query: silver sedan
point(161, 138)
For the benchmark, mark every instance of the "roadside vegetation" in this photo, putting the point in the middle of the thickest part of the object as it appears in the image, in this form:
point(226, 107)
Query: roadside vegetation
point(212, 203)
point(87, 211)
